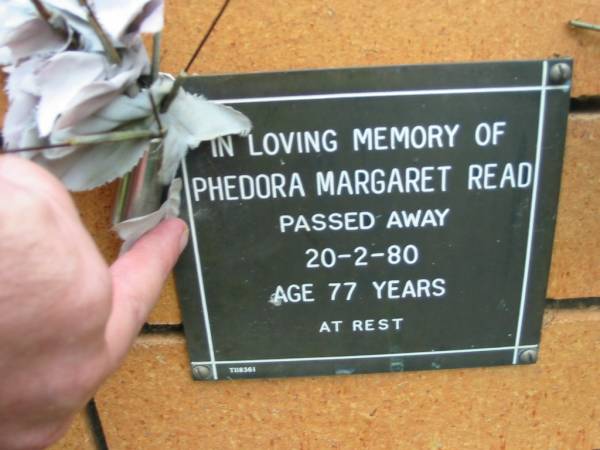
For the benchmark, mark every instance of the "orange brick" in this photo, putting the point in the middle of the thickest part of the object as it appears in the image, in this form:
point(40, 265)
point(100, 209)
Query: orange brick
point(576, 255)
point(152, 403)
point(259, 35)
point(79, 436)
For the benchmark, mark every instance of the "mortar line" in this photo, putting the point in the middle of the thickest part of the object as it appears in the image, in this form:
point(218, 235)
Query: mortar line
point(573, 303)
point(96, 425)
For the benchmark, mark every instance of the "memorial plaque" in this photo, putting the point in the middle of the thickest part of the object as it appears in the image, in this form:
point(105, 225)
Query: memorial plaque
point(375, 220)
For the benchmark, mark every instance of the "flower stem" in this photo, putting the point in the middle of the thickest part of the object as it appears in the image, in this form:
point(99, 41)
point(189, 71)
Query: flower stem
point(584, 25)
point(94, 139)
point(115, 136)
point(156, 42)
point(42, 11)
point(111, 51)
point(172, 93)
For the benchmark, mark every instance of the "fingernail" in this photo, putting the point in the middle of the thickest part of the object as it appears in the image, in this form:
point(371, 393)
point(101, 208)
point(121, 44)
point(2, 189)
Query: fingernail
point(185, 237)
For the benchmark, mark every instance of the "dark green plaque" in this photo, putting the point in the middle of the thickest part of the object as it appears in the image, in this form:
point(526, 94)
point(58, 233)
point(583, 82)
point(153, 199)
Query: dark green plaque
point(376, 219)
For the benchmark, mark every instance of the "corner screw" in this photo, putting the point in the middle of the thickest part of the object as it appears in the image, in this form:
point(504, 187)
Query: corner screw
point(201, 372)
point(559, 73)
point(528, 356)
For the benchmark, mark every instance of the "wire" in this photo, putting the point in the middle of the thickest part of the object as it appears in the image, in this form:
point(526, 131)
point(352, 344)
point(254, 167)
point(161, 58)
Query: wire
point(206, 36)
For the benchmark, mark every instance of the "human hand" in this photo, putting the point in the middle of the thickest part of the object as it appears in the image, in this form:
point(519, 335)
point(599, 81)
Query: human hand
point(67, 320)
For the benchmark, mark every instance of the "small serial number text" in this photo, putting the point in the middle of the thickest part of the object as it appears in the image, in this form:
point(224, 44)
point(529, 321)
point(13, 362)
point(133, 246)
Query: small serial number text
point(245, 369)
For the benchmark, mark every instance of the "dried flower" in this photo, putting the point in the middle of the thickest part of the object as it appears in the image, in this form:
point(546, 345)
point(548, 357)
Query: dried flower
point(74, 79)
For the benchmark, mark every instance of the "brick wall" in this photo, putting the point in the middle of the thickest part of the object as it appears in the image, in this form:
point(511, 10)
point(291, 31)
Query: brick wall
point(152, 402)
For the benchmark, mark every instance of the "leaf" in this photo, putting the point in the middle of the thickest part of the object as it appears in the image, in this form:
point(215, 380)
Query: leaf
point(153, 17)
point(5, 56)
point(118, 114)
point(23, 78)
point(190, 120)
point(61, 80)
point(20, 127)
point(74, 85)
point(121, 110)
point(95, 165)
point(76, 21)
point(119, 17)
point(131, 230)
point(15, 12)
point(72, 7)
point(19, 121)
point(35, 36)
point(98, 94)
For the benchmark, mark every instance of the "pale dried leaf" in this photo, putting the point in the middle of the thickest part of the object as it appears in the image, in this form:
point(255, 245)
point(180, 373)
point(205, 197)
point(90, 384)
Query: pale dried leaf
point(76, 21)
point(118, 114)
point(19, 120)
point(23, 78)
point(20, 127)
point(14, 13)
point(119, 18)
point(190, 120)
point(5, 56)
point(72, 7)
point(153, 17)
point(31, 38)
point(74, 85)
point(100, 93)
point(131, 230)
point(21, 7)
point(95, 165)
point(61, 80)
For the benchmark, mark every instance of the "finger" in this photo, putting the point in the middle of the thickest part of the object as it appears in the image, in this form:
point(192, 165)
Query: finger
point(138, 277)
point(31, 177)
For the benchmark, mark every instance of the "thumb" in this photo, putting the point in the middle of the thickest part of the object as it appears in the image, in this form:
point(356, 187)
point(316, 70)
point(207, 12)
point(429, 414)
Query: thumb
point(138, 277)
